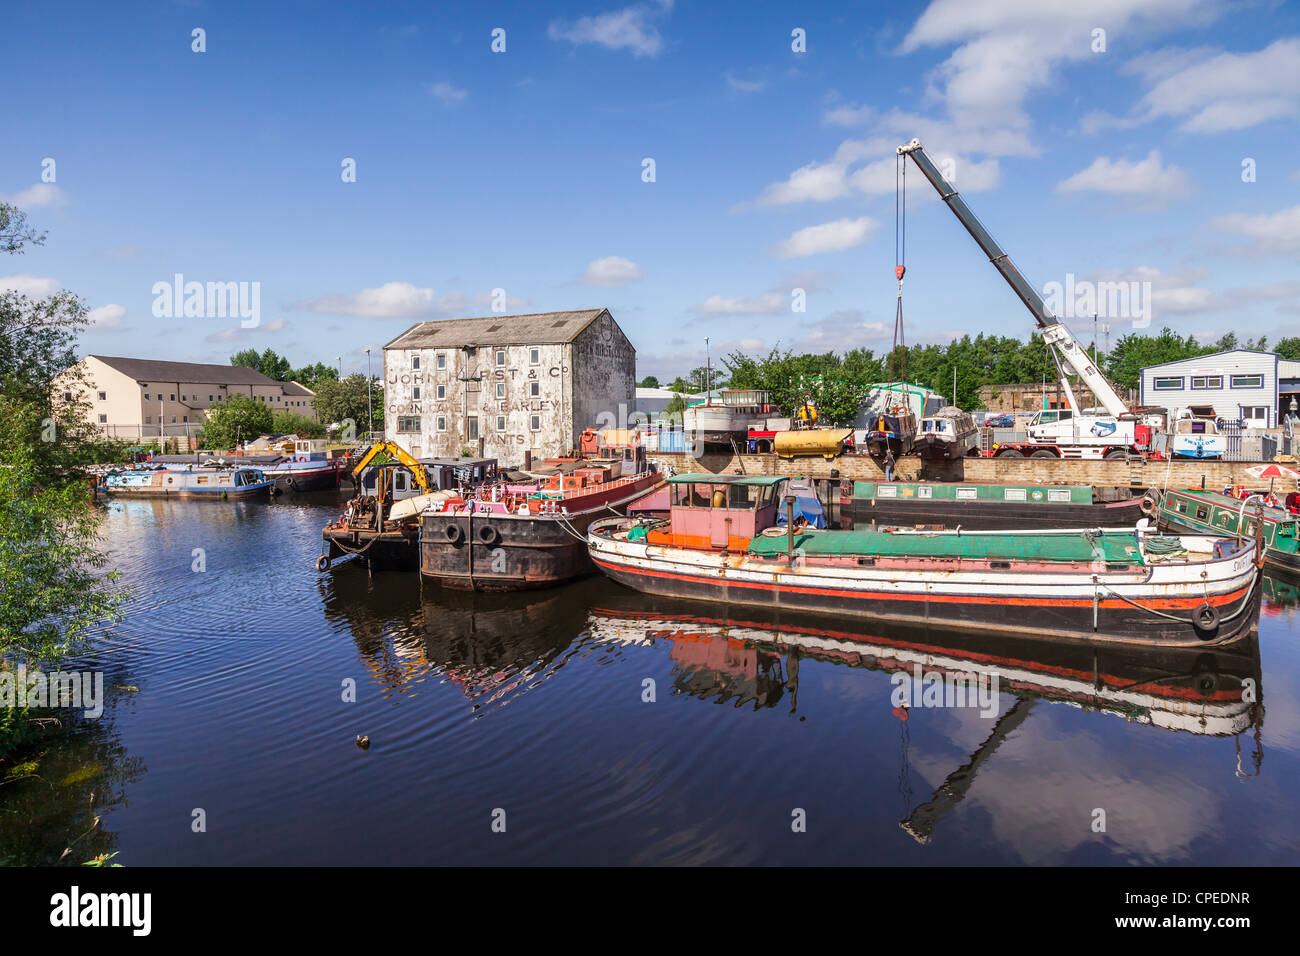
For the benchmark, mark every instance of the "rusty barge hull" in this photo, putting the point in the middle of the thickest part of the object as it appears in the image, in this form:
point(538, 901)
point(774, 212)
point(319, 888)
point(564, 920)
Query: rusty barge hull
point(507, 552)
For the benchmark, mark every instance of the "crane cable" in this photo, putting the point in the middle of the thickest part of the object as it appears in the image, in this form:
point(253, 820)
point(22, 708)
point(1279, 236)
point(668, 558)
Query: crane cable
point(900, 264)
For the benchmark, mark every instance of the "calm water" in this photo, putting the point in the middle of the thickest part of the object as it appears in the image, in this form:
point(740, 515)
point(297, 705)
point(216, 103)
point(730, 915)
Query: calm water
point(226, 695)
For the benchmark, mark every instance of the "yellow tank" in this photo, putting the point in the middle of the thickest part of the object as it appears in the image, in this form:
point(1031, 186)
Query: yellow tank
point(827, 442)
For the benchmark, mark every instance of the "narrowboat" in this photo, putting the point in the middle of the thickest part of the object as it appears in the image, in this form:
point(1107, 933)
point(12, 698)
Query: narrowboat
point(722, 544)
point(219, 484)
point(306, 466)
point(986, 507)
point(1209, 512)
point(512, 536)
point(947, 434)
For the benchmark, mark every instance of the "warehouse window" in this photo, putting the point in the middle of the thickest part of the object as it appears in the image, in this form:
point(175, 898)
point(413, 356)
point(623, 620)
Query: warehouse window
point(501, 357)
point(415, 393)
point(171, 397)
point(148, 419)
point(103, 396)
point(471, 427)
point(535, 423)
point(1207, 381)
point(68, 396)
point(501, 423)
point(415, 361)
point(441, 392)
point(1167, 382)
point(441, 360)
point(501, 389)
point(408, 423)
point(103, 419)
point(534, 356)
point(534, 389)
point(442, 424)
point(1248, 381)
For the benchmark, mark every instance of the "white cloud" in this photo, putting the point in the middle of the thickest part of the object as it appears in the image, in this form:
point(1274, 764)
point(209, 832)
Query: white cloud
point(235, 333)
point(1011, 49)
point(42, 194)
point(631, 28)
point(840, 331)
point(1147, 178)
point(770, 303)
point(392, 300)
point(745, 86)
point(106, 317)
point(816, 182)
point(1270, 234)
point(1229, 91)
point(448, 94)
point(30, 286)
point(848, 114)
point(826, 237)
point(610, 271)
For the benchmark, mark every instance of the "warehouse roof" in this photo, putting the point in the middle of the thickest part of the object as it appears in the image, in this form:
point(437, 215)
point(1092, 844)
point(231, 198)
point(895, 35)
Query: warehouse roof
point(537, 328)
point(148, 370)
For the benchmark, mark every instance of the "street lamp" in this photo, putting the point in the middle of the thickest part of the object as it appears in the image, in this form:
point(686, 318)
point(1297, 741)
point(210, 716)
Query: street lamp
point(339, 359)
point(370, 414)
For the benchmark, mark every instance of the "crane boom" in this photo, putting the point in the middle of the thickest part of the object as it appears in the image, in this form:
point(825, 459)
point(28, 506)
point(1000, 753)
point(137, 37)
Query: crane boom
point(1054, 331)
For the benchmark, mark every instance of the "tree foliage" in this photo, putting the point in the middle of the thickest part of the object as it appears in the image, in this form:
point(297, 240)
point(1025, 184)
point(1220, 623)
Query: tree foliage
point(344, 400)
point(277, 367)
point(235, 421)
point(55, 586)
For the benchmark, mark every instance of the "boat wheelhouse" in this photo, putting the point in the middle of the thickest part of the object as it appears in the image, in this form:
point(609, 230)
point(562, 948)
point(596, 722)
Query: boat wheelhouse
point(985, 506)
point(729, 416)
point(1209, 512)
point(947, 434)
point(721, 543)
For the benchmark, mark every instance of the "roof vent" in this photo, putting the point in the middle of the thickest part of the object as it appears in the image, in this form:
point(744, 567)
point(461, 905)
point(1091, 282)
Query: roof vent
point(494, 328)
point(558, 322)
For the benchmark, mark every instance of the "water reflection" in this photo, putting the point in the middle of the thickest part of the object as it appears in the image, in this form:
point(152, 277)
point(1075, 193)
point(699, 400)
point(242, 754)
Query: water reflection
point(753, 659)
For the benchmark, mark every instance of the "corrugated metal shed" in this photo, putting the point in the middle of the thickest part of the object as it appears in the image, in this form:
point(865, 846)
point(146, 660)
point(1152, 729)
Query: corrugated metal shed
point(537, 328)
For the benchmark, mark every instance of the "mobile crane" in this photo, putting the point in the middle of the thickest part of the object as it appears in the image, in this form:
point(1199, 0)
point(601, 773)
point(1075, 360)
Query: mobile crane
point(1063, 433)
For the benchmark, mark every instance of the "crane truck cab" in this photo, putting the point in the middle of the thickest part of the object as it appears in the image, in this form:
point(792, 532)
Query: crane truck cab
point(1063, 427)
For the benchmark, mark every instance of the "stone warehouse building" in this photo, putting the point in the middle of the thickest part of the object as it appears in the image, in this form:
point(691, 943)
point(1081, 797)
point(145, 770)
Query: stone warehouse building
point(139, 398)
point(507, 385)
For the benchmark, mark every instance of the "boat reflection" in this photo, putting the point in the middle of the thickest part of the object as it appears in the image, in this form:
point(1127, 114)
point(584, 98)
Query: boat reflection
point(490, 647)
point(1212, 693)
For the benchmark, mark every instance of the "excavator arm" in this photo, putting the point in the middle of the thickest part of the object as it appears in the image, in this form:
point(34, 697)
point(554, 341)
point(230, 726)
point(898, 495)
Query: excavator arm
point(393, 450)
point(1054, 331)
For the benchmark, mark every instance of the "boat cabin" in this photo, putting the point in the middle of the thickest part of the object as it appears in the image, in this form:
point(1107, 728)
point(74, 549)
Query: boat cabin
point(1208, 512)
point(717, 512)
point(949, 423)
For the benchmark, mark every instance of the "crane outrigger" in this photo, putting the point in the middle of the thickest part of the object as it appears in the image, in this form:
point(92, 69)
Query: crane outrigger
point(1054, 433)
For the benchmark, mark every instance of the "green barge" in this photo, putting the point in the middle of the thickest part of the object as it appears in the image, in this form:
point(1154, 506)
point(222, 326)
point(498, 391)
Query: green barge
point(1209, 512)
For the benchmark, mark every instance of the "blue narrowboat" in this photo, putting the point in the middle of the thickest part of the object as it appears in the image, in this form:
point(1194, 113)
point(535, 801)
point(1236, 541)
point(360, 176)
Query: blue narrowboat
point(215, 483)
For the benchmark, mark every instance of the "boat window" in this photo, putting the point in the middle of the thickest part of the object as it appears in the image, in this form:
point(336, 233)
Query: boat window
point(1202, 512)
point(744, 497)
point(201, 480)
point(768, 493)
point(1182, 507)
point(1250, 528)
point(1286, 530)
point(682, 494)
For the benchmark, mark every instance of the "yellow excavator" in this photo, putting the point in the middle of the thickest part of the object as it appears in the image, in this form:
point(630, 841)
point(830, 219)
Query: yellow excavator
point(393, 450)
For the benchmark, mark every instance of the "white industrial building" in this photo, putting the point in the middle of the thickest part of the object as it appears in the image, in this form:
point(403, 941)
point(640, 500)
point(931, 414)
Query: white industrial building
point(1239, 384)
point(507, 386)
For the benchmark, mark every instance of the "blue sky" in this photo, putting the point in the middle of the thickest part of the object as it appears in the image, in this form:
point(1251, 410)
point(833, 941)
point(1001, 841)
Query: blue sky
point(774, 169)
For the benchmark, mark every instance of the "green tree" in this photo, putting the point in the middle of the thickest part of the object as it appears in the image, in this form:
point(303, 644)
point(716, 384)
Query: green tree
point(55, 586)
point(344, 400)
point(291, 423)
point(235, 421)
point(1134, 352)
point(648, 382)
point(269, 363)
point(1288, 348)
